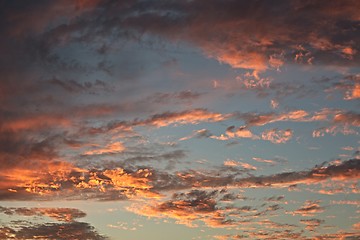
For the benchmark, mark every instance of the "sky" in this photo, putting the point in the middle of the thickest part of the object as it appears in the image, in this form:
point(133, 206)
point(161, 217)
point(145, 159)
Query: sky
point(196, 119)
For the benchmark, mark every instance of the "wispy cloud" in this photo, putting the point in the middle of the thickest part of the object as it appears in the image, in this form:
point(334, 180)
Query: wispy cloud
point(59, 214)
point(310, 208)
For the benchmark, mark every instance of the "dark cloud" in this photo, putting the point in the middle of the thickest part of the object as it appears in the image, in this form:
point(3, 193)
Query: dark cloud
point(59, 214)
point(312, 224)
point(309, 208)
point(74, 86)
point(350, 118)
point(283, 36)
point(193, 116)
point(174, 155)
point(183, 96)
point(65, 228)
point(72, 230)
point(189, 207)
point(228, 31)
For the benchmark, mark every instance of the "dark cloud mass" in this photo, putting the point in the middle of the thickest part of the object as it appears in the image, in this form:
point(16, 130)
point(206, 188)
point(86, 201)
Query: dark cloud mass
point(65, 228)
point(60, 214)
point(63, 231)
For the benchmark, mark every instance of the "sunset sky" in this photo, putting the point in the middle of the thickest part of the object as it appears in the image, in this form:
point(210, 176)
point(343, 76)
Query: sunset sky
point(181, 120)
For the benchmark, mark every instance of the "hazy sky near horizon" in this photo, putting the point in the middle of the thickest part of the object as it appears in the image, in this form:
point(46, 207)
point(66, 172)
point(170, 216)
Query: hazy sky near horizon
point(198, 119)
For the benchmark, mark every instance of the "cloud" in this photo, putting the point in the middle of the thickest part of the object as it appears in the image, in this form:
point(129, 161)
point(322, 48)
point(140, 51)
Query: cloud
point(72, 230)
point(343, 235)
point(232, 37)
point(168, 156)
point(194, 116)
point(309, 209)
point(276, 42)
point(119, 183)
point(232, 132)
point(113, 148)
point(182, 96)
point(256, 119)
point(349, 85)
point(275, 161)
point(345, 202)
point(233, 163)
point(199, 196)
point(241, 132)
point(65, 228)
point(312, 224)
point(356, 226)
point(349, 118)
point(274, 104)
point(347, 170)
point(187, 208)
point(56, 145)
point(59, 214)
point(333, 130)
point(75, 86)
point(36, 122)
point(202, 133)
point(277, 136)
point(186, 117)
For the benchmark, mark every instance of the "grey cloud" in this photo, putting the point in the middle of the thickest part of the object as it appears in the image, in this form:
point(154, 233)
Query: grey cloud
point(63, 231)
point(59, 214)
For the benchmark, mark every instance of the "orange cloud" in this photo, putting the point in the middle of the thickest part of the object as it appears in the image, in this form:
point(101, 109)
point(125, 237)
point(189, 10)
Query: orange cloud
point(333, 130)
point(241, 132)
point(232, 132)
point(186, 208)
point(353, 93)
point(186, 117)
point(349, 118)
point(254, 119)
point(194, 116)
point(277, 136)
point(112, 148)
point(240, 59)
point(263, 160)
point(35, 123)
point(59, 214)
point(356, 226)
point(312, 224)
point(233, 163)
point(309, 209)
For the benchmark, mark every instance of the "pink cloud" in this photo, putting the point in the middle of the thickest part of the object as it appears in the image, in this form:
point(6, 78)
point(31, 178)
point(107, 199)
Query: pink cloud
point(277, 136)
